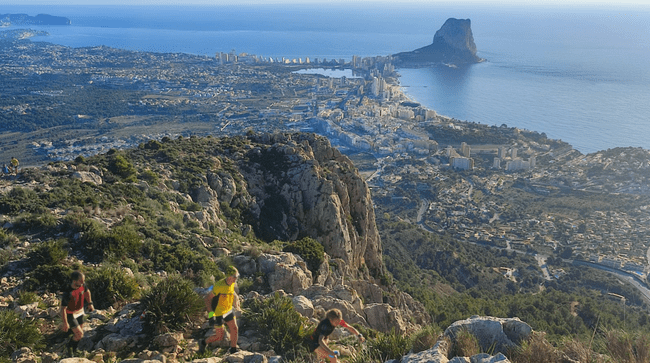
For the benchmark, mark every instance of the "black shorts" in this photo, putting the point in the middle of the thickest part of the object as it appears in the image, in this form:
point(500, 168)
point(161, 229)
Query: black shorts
point(218, 320)
point(79, 321)
point(311, 344)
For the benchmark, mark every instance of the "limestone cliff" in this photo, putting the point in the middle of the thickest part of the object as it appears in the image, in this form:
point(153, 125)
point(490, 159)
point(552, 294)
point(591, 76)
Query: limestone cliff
point(453, 44)
point(305, 187)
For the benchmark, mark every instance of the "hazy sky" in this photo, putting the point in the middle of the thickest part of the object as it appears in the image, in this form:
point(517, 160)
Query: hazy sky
point(394, 2)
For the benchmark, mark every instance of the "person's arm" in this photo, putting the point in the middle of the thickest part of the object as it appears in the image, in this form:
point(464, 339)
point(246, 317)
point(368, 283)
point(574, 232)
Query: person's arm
point(208, 301)
point(354, 331)
point(91, 307)
point(235, 302)
point(64, 317)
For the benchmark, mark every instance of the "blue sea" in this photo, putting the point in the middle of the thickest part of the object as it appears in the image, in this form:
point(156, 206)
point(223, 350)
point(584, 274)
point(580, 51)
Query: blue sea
point(576, 73)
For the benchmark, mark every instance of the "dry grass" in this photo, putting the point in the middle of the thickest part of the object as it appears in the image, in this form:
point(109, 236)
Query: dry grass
point(464, 344)
point(536, 350)
point(626, 348)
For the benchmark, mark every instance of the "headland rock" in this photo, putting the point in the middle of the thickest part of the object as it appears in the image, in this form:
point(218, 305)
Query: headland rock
point(453, 44)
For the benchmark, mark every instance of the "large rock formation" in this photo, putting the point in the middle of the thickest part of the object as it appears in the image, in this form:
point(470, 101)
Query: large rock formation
point(453, 44)
point(304, 187)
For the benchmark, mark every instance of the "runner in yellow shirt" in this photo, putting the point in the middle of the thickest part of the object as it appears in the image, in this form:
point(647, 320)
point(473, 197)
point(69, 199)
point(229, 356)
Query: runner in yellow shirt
point(220, 303)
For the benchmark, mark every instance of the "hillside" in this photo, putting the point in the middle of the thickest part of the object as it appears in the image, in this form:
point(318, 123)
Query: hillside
point(191, 206)
point(177, 212)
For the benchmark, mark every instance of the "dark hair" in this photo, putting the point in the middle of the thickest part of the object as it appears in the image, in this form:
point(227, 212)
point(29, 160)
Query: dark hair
point(334, 314)
point(75, 275)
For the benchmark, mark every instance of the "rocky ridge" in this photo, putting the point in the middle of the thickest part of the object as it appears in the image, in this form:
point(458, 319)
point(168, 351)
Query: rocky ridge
point(295, 183)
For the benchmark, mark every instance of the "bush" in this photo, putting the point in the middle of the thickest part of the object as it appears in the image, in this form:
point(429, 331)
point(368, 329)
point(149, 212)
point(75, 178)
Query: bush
point(538, 350)
point(283, 326)
point(310, 250)
point(16, 333)
point(389, 346)
point(172, 305)
point(52, 278)
point(37, 221)
point(123, 241)
point(110, 285)
point(464, 344)
point(425, 338)
point(27, 297)
point(7, 238)
point(119, 165)
point(47, 253)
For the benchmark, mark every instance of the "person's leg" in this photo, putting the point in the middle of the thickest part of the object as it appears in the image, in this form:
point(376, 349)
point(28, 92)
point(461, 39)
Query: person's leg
point(322, 355)
point(218, 331)
point(234, 333)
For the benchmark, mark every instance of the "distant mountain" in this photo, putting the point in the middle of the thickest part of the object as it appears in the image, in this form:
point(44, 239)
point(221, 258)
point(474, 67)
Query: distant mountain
point(453, 45)
point(40, 19)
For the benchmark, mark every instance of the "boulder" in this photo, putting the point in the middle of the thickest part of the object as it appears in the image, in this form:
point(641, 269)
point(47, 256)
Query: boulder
point(86, 176)
point(493, 334)
point(385, 318)
point(303, 306)
point(113, 343)
point(168, 342)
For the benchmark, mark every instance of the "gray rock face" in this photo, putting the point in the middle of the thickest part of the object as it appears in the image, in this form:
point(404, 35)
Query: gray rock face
point(453, 44)
point(499, 333)
point(305, 187)
point(457, 34)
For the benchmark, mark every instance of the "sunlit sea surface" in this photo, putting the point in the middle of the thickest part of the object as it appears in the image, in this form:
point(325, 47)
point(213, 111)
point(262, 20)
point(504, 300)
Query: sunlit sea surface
point(580, 74)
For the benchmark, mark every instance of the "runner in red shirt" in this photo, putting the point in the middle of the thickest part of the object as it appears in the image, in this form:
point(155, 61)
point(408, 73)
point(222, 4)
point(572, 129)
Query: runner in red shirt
point(72, 308)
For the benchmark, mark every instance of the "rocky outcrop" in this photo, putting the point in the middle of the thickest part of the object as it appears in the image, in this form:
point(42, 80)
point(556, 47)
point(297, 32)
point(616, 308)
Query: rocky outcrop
point(496, 334)
point(493, 334)
point(303, 187)
point(453, 44)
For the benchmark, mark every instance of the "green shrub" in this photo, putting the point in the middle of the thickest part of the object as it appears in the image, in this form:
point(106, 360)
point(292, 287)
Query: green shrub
point(7, 238)
point(150, 176)
point(190, 206)
point(27, 297)
point(310, 250)
point(172, 305)
point(283, 327)
point(425, 338)
point(123, 240)
point(52, 278)
point(20, 199)
point(121, 166)
point(110, 285)
point(16, 333)
point(388, 346)
point(5, 256)
point(47, 253)
point(464, 344)
point(36, 221)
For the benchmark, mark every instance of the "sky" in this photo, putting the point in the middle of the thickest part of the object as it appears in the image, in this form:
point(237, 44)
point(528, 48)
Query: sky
point(239, 2)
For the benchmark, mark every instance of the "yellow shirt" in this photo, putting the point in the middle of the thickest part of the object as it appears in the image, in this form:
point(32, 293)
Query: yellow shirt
point(226, 294)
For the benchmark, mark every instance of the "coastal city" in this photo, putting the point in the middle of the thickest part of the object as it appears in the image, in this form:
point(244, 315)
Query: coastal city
point(486, 184)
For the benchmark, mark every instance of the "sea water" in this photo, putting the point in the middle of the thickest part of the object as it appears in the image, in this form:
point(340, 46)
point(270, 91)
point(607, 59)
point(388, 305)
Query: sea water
point(576, 73)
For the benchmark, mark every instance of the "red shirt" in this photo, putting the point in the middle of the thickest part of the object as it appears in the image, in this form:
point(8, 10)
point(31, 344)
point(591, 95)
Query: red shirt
point(73, 300)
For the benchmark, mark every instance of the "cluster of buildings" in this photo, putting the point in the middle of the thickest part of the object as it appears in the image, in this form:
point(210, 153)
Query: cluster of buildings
point(230, 94)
